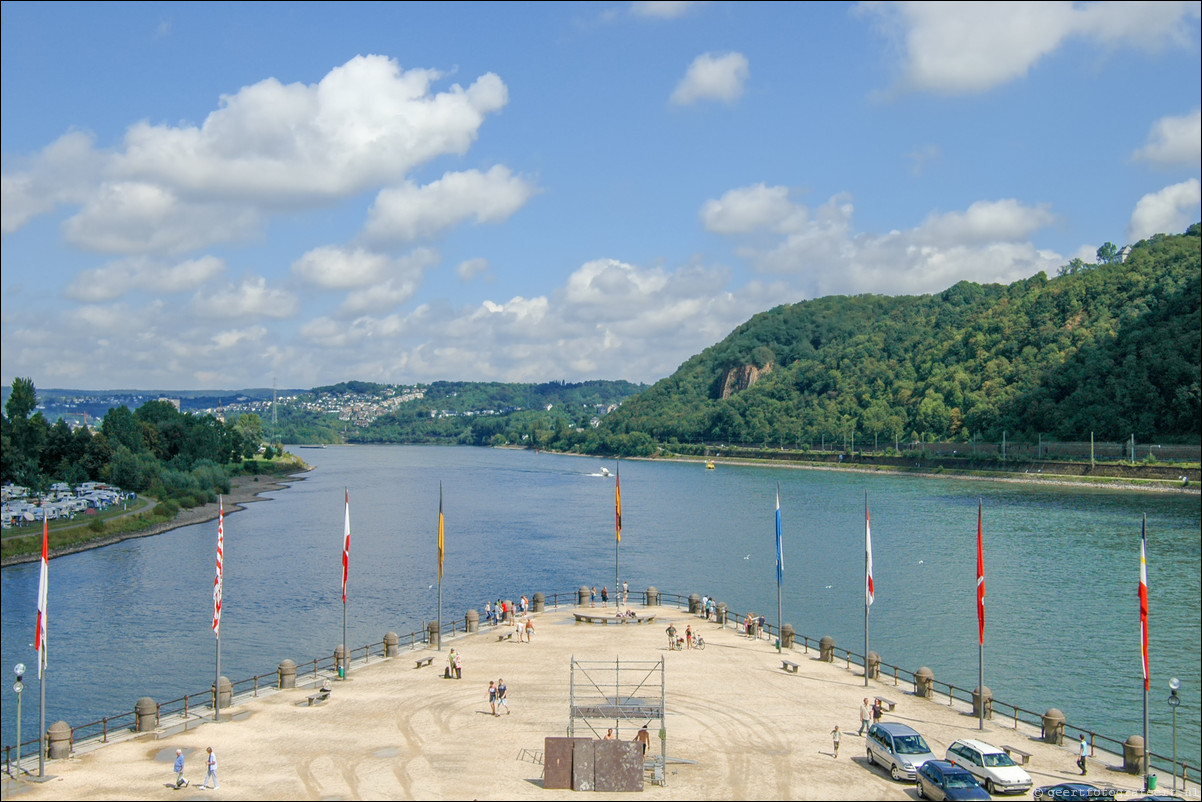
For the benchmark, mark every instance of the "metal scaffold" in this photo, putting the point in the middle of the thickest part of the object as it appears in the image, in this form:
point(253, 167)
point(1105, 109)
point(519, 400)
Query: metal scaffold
point(628, 696)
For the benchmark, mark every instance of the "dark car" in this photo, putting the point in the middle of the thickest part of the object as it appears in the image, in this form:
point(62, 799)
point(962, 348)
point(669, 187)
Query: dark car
point(939, 779)
point(1072, 792)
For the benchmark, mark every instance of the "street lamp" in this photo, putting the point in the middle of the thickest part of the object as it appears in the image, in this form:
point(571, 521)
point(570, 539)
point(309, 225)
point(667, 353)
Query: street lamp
point(1174, 684)
point(18, 686)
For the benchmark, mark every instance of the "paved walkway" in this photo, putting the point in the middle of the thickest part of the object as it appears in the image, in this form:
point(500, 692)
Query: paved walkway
point(739, 725)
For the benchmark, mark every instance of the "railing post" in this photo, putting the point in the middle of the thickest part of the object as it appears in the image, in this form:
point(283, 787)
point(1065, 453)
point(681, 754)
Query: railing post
point(104, 730)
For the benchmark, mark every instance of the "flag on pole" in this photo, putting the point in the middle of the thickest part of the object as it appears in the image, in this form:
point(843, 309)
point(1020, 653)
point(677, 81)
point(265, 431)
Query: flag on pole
point(980, 582)
point(346, 545)
point(218, 579)
point(39, 638)
point(780, 553)
point(1143, 598)
point(440, 545)
point(869, 588)
point(618, 504)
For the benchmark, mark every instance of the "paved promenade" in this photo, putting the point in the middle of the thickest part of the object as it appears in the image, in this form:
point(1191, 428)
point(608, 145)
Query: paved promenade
point(738, 727)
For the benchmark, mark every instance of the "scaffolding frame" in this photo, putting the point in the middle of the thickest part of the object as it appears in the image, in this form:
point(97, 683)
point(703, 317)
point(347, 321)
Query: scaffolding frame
point(631, 693)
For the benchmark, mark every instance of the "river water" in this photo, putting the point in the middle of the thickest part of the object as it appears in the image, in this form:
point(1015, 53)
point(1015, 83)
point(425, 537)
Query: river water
point(1061, 563)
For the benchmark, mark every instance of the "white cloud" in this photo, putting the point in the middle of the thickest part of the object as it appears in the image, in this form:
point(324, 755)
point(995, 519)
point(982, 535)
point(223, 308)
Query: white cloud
point(410, 212)
point(664, 9)
point(987, 222)
point(712, 77)
point(1169, 211)
point(745, 209)
point(128, 275)
point(960, 47)
point(380, 297)
point(470, 268)
point(1174, 141)
point(61, 173)
point(252, 298)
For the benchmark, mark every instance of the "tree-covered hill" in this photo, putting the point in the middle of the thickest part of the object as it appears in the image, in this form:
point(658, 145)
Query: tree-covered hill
point(1110, 349)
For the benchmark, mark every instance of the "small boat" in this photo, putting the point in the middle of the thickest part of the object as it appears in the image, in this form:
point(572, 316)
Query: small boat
point(605, 471)
point(709, 464)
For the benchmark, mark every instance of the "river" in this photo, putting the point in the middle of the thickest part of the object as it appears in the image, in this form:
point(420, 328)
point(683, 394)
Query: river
point(1061, 563)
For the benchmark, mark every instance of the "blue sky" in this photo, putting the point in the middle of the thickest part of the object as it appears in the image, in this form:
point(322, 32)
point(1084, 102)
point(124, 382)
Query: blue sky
point(226, 195)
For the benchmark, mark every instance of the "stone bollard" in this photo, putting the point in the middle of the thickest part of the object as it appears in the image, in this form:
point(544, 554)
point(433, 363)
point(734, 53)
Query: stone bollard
point(924, 682)
point(286, 675)
point(392, 644)
point(1053, 727)
point(721, 608)
point(826, 649)
point(509, 611)
point(874, 665)
point(340, 660)
point(224, 690)
point(652, 596)
point(582, 596)
point(977, 695)
point(694, 603)
point(432, 633)
point(58, 740)
point(538, 602)
point(1133, 754)
point(471, 621)
point(787, 633)
point(146, 714)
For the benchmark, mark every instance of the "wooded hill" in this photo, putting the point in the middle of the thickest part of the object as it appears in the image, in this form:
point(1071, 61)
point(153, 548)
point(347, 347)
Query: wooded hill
point(1110, 349)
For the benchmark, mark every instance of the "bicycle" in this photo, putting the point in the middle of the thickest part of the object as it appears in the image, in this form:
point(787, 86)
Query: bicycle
point(698, 642)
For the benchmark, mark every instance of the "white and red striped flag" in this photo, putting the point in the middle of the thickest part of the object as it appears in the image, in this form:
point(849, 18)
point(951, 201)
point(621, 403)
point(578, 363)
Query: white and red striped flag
point(346, 545)
point(39, 638)
point(869, 587)
point(1143, 597)
point(217, 580)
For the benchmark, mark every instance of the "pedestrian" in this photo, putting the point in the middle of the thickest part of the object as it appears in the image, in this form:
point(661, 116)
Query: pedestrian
point(865, 716)
point(492, 696)
point(878, 710)
point(458, 665)
point(502, 696)
point(688, 637)
point(609, 735)
point(180, 782)
point(210, 769)
point(625, 593)
point(604, 596)
point(1083, 748)
point(529, 629)
point(644, 738)
point(488, 612)
point(836, 736)
point(671, 630)
point(592, 596)
point(520, 630)
point(450, 672)
point(760, 625)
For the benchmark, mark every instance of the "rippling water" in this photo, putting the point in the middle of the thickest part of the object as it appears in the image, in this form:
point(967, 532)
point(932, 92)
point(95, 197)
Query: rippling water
point(1062, 567)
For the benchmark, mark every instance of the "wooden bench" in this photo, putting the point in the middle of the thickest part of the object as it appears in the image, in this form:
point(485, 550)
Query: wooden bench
point(505, 636)
point(789, 666)
point(585, 618)
point(318, 697)
point(424, 661)
point(888, 703)
point(1023, 756)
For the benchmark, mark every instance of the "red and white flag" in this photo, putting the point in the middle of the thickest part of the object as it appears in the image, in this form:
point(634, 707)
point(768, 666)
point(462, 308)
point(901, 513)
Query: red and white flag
point(217, 580)
point(980, 582)
point(869, 588)
point(39, 638)
point(1143, 597)
point(346, 545)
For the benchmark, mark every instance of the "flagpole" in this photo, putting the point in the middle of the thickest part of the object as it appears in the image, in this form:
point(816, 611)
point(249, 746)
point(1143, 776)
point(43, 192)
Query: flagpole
point(867, 582)
point(1143, 610)
point(440, 552)
point(780, 576)
point(217, 590)
point(346, 559)
point(980, 625)
point(40, 638)
point(617, 526)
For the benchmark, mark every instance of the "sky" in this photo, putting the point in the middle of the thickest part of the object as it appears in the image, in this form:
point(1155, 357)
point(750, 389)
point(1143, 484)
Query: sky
point(234, 195)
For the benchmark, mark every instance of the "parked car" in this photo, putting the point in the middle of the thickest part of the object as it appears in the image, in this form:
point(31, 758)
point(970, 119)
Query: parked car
point(941, 779)
point(897, 747)
point(992, 767)
point(1072, 792)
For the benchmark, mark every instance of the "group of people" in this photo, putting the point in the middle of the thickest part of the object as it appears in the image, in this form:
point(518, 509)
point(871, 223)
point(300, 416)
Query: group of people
point(870, 714)
point(525, 630)
point(621, 597)
point(498, 695)
point(210, 769)
point(454, 665)
point(753, 625)
point(677, 642)
point(641, 737)
point(503, 612)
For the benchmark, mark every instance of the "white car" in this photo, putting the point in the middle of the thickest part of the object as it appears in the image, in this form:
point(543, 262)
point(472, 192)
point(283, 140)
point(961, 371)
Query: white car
point(990, 765)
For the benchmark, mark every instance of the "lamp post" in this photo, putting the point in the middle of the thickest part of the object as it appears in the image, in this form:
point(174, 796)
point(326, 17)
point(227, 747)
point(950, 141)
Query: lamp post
point(1173, 701)
point(18, 686)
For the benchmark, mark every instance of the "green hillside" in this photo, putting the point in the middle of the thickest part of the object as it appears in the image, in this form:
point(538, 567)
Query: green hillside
point(1109, 348)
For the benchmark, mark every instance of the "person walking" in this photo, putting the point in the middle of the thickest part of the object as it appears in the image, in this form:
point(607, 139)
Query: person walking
point(688, 637)
point(502, 696)
point(458, 665)
point(671, 630)
point(451, 665)
point(1083, 750)
point(625, 593)
point(492, 696)
point(210, 769)
point(605, 595)
point(836, 736)
point(592, 596)
point(865, 716)
point(643, 738)
point(180, 782)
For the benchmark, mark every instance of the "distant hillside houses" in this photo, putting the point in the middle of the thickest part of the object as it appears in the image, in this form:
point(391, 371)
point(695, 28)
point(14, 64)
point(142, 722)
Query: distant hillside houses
point(21, 508)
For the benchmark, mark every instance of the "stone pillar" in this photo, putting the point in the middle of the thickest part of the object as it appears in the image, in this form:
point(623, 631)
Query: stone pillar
point(874, 665)
point(694, 603)
point(432, 633)
point(146, 714)
point(340, 660)
point(509, 613)
point(826, 649)
point(721, 608)
point(58, 740)
point(582, 596)
point(1133, 754)
point(1053, 726)
point(286, 675)
point(924, 682)
point(652, 596)
point(982, 696)
point(224, 691)
point(392, 644)
point(471, 621)
point(538, 602)
point(787, 634)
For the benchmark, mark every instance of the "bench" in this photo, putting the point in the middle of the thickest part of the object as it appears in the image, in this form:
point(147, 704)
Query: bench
point(789, 666)
point(1023, 757)
point(585, 618)
point(318, 697)
point(424, 661)
point(505, 636)
point(889, 704)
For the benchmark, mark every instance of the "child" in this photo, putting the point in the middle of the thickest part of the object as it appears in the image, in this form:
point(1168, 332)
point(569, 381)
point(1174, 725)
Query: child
point(836, 736)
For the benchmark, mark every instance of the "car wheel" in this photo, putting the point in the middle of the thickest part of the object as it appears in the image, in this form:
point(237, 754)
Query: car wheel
point(870, 760)
point(990, 787)
point(894, 773)
point(922, 794)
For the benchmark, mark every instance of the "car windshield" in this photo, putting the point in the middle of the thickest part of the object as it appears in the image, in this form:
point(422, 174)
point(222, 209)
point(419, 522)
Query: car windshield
point(958, 780)
point(910, 745)
point(997, 760)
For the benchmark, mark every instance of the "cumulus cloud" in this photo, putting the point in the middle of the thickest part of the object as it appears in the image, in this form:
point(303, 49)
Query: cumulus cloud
point(1174, 141)
point(745, 209)
point(713, 76)
point(470, 268)
point(128, 275)
point(250, 298)
point(1169, 211)
point(410, 212)
point(61, 173)
point(962, 47)
point(664, 9)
